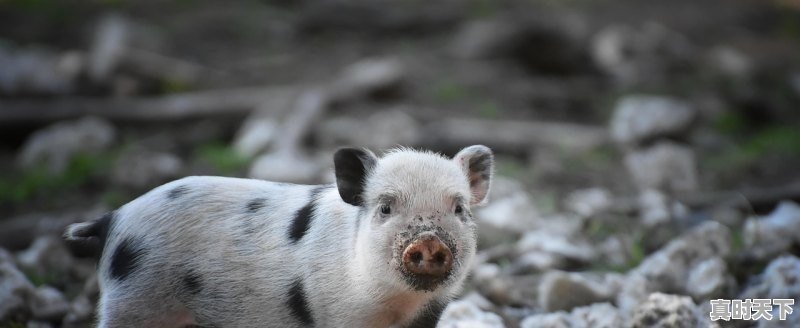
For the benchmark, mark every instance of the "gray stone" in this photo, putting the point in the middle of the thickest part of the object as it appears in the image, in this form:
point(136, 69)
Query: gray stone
point(669, 268)
point(48, 304)
point(285, 166)
point(666, 166)
point(770, 235)
point(484, 39)
point(467, 314)
point(636, 55)
point(708, 279)
point(142, 168)
point(598, 315)
point(640, 118)
point(781, 279)
point(38, 71)
point(368, 76)
point(654, 207)
point(382, 129)
point(589, 202)
point(568, 247)
point(46, 256)
point(255, 135)
point(57, 144)
point(80, 313)
point(664, 310)
point(563, 291)
point(15, 289)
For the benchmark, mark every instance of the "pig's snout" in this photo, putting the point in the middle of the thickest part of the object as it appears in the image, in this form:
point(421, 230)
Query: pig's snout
point(428, 257)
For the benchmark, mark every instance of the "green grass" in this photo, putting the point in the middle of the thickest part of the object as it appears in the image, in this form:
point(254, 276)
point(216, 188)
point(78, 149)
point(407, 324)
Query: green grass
point(27, 183)
point(222, 158)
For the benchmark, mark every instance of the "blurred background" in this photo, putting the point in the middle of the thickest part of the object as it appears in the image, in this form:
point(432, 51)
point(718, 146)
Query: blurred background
point(647, 151)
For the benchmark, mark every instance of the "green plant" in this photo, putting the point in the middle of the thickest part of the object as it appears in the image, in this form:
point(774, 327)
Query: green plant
point(222, 157)
point(22, 185)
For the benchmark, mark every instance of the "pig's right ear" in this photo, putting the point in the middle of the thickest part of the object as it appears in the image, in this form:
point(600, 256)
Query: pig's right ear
point(352, 166)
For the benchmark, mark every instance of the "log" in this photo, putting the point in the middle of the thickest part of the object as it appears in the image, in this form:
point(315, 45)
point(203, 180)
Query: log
point(169, 107)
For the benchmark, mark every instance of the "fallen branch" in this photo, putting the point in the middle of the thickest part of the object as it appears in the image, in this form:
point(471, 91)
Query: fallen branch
point(513, 135)
point(169, 107)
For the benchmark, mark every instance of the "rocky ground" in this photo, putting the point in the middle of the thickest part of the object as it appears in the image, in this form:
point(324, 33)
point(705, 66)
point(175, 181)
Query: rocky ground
point(647, 152)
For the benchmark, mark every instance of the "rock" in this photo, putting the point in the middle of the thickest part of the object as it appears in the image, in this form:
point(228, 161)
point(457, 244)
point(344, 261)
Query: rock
point(598, 315)
point(770, 235)
point(709, 279)
point(670, 268)
point(33, 71)
point(141, 168)
point(15, 289)
point(666, 166)
point(484, 39)
point(57, 144)
point(382, 129)
point(108, 47)
point(286, 167)
point(664, 310)
point(48, 304)
point(38, 324)
point(368, 77)
point(654, 208)
point(564, 246)
point(80, 313)
point(640, 118)
point(731, 63)
point(781, 279)
point(639, 55)
point(563, 291)
point(255, 135)
point(46, 256)
point(588, 202)
point(515, 213)
point(466, 314)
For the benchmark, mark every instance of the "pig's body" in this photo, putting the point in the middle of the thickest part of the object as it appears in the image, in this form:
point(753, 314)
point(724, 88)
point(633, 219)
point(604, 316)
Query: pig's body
point(226, 252)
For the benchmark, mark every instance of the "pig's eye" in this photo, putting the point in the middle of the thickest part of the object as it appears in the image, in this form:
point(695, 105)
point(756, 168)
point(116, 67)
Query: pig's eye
point(459, 209)
point(385, 209)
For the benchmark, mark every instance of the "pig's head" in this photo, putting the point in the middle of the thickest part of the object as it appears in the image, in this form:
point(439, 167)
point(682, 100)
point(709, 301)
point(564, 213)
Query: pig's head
point(416, 230)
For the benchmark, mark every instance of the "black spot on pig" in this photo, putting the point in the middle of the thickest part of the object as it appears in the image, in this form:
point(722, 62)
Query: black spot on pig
point(298, 304)
point(177, 192)
point(302, 218)
point(125, 259)
point(255, 205)
point(192, 282)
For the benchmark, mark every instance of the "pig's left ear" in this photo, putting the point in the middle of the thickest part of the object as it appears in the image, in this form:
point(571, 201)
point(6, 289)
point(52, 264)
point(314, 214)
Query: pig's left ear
point(477, 162)
point(352, 166)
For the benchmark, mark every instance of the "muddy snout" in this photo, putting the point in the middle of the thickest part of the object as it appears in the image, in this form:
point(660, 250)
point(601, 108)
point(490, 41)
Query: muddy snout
point(428, 257)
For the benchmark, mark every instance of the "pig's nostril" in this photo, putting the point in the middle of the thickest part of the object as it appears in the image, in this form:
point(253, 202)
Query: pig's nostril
point(416, 257)
point(439, 258)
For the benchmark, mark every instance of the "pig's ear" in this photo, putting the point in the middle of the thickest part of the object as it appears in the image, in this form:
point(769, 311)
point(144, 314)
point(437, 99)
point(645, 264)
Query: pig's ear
point(477, 162)
point(352, 166)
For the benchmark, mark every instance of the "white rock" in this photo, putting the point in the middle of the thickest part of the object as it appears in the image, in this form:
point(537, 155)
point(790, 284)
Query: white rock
point(641, 117)
point(663, 310)
point(368, 76)
point(484, 38)
point(142, 168)
point(708, 279)
point(669, 268)
point(47, 303)
point(108, 47)
point(563, 291)
point(47, 254)
point(665, 166)
point(588, 202)
point(515, 213)
point(466, 314)
point(562, 245)
point(731, 62)
point(640, 54)
point(383, 129)
point(57, 144)
point(781, 279)
point(654, 207)
point(15, 289)
point(38, 71)
point(286, 167)
point(255, 135)
point(80, 311)
point(770, 235)
point(598, 315)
